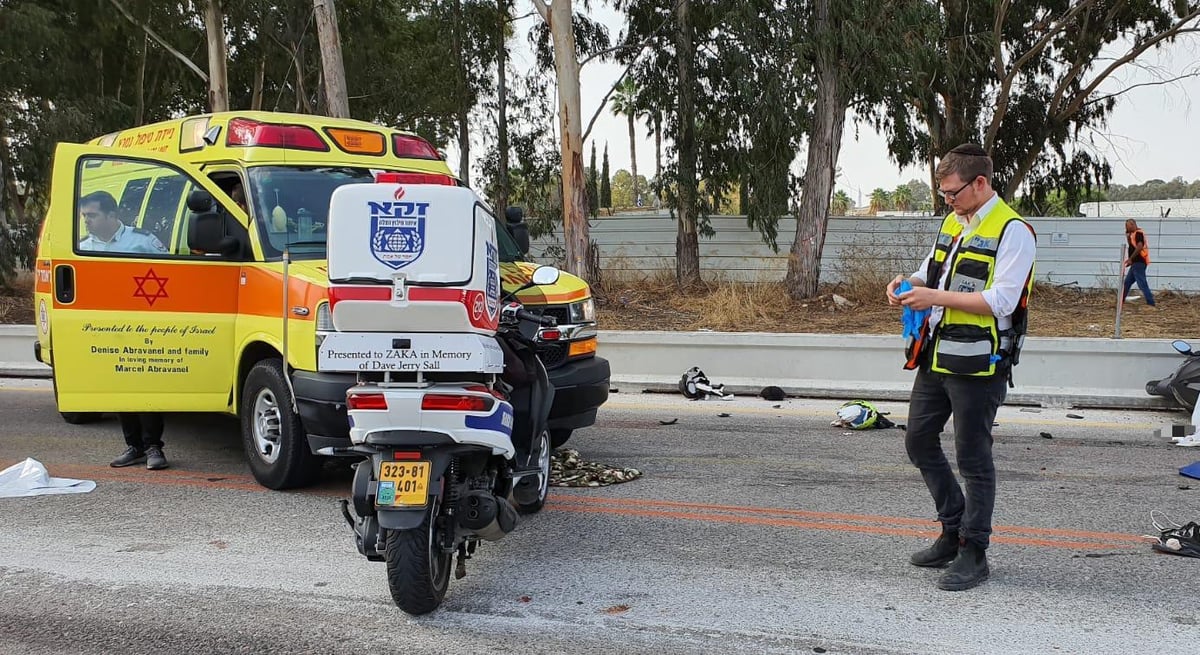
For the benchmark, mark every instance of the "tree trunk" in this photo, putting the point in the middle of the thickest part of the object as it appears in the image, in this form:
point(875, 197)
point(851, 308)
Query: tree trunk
point(574, 188)
point(824, 143)
point(302, 104)
point(633, 154)
point(502, 109)
point(9, 182)
point(218, 79)
point(256, 96)
point(139, 109)
point(337, 103)
point(687, 242)
point(460, 87)
point(657, 159)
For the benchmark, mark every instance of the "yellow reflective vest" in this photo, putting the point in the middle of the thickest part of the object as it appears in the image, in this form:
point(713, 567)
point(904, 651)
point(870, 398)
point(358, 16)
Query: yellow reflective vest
point(972, 344)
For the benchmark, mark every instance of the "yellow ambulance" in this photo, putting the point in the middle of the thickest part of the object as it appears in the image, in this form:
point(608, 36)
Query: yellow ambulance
point(160, 279)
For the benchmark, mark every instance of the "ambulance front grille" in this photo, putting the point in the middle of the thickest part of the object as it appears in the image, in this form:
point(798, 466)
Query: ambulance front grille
point(553, 354)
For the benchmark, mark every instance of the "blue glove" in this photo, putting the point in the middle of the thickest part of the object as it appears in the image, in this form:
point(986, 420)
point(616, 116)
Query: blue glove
point(912, 319)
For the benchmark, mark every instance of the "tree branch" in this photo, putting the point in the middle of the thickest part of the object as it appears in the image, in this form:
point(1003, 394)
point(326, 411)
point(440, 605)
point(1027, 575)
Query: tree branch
point(1128, 89)
point(159, 40)
point(1079, 99)
point(542, 10)
point(604, 101)
point(1011, 76)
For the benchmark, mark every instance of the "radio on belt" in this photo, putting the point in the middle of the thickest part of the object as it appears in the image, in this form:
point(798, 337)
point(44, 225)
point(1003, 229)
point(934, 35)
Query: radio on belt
point(414, 280)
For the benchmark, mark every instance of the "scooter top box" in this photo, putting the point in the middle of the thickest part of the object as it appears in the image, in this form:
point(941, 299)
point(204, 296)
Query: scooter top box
point(412, 258)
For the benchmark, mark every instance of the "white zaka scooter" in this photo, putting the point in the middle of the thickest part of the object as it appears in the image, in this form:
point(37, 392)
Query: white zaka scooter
point(451, 405)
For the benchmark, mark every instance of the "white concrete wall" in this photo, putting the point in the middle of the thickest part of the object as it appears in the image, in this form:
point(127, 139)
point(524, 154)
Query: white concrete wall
point(1082, 251)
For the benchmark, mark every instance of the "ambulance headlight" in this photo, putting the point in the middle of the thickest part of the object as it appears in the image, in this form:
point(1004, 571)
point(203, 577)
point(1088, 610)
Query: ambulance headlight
point(583, 312)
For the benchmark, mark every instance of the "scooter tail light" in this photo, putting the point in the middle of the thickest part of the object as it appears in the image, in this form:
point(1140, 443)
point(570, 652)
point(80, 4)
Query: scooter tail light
point(366, 401)
point(436, 402)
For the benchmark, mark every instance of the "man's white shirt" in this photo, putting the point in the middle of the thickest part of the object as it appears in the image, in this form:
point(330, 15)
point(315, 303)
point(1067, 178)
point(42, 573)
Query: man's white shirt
point(127, 240)
point(1014, 258)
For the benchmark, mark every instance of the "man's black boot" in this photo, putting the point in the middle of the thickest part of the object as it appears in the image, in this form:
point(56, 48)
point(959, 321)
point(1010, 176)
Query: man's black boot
point(968, 570)
point(942, 552)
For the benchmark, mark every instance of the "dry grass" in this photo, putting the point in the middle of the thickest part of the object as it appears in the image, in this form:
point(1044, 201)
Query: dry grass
point(653, 302)
point(16, 299)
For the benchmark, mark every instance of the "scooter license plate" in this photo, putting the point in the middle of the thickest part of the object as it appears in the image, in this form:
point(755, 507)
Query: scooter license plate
point(403, 484)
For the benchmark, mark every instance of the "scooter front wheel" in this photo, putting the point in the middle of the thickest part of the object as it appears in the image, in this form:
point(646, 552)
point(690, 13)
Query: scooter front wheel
point(418, 571)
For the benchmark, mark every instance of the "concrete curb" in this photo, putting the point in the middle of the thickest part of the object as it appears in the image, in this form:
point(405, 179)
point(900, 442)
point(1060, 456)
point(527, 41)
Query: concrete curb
point(1052, 373)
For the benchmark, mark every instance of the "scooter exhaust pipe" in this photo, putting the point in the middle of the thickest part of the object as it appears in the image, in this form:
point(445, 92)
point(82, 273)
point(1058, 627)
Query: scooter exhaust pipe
point(486, 515)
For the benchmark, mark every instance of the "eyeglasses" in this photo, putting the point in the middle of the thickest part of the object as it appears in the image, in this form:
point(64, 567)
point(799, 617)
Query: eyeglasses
point(952, 195)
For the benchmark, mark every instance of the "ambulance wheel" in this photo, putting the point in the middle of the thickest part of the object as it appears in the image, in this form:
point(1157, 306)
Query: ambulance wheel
point(80, 418)
point(531, 492)
point(559, 436)
point(272, 435)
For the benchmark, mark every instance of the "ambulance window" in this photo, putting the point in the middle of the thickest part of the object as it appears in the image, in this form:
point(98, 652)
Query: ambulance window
point(132, 197)
point(110, 219)
point(163, 208)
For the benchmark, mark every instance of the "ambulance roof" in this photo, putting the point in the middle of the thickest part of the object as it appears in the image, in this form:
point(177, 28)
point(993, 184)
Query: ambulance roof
point(260, 137)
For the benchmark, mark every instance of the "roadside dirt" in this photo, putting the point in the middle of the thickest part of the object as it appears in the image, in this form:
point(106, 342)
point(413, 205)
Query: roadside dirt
point(1055, 312)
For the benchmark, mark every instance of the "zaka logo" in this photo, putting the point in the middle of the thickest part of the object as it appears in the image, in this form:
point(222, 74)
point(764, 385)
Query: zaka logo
point(397, 231)
point(493, 280)
point(399, 193)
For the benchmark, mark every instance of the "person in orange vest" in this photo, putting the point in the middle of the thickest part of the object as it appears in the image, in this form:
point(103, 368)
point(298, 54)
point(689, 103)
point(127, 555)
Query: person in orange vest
point(1137, 259)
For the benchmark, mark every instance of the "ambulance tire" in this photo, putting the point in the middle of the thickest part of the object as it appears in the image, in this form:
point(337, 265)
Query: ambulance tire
point(282, 459)
point(559, 436)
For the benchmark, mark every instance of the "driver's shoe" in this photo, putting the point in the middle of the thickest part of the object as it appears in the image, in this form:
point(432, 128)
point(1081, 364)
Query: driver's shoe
point(132, 455)
point(968, 570)
point(942, 552)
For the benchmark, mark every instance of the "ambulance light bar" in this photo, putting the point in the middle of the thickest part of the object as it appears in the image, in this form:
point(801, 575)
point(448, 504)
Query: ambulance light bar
point(389, 177)
point(411, 146)
point(247, 132)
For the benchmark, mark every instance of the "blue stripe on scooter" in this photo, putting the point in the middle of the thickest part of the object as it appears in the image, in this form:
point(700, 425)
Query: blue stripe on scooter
point(500, 420)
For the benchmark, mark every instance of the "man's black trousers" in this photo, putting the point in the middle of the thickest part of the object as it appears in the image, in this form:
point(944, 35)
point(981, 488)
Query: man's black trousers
point(973, 401)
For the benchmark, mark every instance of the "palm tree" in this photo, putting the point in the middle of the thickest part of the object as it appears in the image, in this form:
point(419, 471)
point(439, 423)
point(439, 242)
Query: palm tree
point(880, 200)
point(840, 206)
point(902, 198)
point(624, 104)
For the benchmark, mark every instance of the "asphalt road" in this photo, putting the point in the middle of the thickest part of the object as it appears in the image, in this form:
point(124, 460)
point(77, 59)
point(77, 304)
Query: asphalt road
point(767, 531)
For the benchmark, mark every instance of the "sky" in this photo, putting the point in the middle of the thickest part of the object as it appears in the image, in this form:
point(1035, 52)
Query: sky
point(1151, 133)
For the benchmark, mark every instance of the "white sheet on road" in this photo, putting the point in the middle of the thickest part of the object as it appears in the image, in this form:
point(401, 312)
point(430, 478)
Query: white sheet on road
point(30, 478)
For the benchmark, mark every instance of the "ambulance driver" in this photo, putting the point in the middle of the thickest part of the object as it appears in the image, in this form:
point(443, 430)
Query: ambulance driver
point(106, 232)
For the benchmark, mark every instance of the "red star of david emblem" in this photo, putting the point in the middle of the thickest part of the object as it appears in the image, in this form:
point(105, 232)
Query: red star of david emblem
point(150, 286)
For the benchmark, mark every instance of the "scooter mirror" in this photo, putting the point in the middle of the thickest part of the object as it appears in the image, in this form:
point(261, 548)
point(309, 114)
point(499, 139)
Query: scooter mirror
point(1180, 346)
point(545, 275)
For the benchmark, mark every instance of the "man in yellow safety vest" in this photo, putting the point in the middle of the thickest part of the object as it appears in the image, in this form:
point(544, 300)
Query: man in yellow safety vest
point(976, 283)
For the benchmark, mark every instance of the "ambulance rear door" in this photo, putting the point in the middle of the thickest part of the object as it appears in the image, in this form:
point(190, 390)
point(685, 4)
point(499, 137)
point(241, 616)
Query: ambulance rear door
point(140, 321)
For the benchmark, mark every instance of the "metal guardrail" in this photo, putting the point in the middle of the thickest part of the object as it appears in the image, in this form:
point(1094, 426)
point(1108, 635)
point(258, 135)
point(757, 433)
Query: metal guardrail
point(1053, 372)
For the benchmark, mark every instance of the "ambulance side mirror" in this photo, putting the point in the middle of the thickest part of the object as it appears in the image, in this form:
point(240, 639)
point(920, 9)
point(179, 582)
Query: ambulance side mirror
point(545, 275)
point(515, 218)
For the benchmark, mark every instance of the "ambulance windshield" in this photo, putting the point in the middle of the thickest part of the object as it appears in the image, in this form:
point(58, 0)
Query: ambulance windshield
point(291, 208)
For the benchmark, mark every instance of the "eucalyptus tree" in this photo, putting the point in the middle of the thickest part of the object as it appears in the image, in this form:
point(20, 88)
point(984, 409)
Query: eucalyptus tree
point(856, 50)
point(1024, 80)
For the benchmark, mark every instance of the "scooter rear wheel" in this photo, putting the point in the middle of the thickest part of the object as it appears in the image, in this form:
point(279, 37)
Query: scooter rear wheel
point(418, 571)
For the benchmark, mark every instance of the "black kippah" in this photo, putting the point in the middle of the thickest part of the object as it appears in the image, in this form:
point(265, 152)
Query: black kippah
point(970, 149)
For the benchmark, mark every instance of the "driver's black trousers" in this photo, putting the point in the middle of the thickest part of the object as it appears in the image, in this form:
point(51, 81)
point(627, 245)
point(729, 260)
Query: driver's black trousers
point(142, 429)
point(973, 402)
